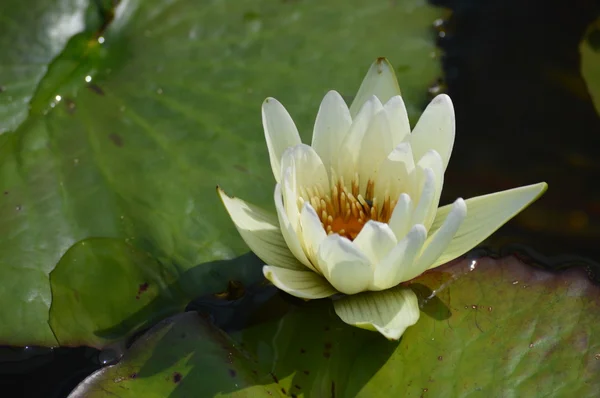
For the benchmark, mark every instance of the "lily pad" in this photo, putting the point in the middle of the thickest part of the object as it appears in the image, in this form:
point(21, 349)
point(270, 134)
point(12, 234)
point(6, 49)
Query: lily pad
point(179, 357)
point(124, 130)
point(488, 327)
point(104, 290)
point(589, 48)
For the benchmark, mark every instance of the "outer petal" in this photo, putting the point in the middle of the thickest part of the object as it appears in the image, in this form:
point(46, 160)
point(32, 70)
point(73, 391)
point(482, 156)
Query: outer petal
point(288, 231)
point(346, 268)
point(290, 199)
point(261, 232)
point(375, 240)
point(304, 284)
point(487, 213)
point(331, 127)
point(379, 81)
point(312, 233)
point(439, 240)
point(399, 264)
point(280, 132)
point(395, 173)
point(398, 119)
point(389, 312)
point(435, 129)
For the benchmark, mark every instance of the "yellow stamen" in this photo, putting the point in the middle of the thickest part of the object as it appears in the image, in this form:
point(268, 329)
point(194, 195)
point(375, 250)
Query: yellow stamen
point(346, 212)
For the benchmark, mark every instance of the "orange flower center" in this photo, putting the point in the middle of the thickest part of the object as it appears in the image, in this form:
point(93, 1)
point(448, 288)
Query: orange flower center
point(346, 212)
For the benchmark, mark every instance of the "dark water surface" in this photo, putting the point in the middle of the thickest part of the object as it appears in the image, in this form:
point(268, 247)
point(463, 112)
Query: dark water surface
point(523, 115)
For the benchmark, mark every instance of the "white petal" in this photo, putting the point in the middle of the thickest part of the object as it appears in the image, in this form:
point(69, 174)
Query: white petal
point(375, 240)
point(290, 199)
point(288, 231)
point(307, 169)
point(380, 81)
point(426, 196)
point(388, 312)
point(487, 213)
point(399, 265)
point(398, 119)
point(261, 232)
point(429, 199)
point(400, 222)
point(435, 129)
point(304, 284)
point(331, 127)
point(374, 149)
point(346, 268)
point(280, 132)
point(351, 147)
point(438, 241)
point(312, 233)
point(395, 173)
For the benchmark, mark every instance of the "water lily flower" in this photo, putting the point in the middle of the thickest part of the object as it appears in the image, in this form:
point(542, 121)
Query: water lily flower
point(357, 210)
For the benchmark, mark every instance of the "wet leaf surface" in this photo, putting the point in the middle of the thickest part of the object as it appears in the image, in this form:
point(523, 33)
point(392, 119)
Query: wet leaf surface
point(491, 327)
point(180, 357)
point(122, 127)
point(104, 290)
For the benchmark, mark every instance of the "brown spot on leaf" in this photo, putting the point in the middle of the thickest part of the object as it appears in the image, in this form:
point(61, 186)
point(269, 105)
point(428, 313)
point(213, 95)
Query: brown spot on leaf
point(70, 105)
point(176, 377)
point(133, 375)
point(302, 351)
point(95, 88)
point(6, 192)
point(283, 391)
point(116, 139)
point(241, 168)
point(333, 389)
point(306, 372)
point(232, 373)
point(275, 379)
point(297, 387)
point(141, 289)
point(440, 358)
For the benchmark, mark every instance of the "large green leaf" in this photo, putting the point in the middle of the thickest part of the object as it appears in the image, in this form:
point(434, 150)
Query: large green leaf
point(488, 327)
point(139, 117)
